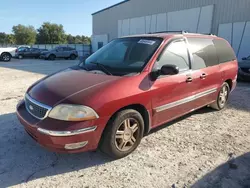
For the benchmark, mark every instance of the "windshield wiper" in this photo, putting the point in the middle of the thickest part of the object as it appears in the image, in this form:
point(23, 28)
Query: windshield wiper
point(102, 67)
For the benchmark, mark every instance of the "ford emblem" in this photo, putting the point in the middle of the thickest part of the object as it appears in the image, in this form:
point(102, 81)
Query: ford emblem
point(31, 107)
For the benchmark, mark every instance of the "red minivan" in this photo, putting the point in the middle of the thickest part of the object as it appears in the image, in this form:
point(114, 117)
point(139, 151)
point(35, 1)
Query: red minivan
point(125, 89)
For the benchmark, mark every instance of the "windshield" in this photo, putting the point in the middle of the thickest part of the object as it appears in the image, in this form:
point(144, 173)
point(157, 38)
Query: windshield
point(124, 56)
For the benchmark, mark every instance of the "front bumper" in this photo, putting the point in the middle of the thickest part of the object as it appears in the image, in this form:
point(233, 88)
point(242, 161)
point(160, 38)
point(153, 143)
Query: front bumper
point(62, 134)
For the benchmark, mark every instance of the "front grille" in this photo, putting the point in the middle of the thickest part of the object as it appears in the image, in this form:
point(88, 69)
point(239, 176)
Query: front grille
point(35, 108)
point(246, 70)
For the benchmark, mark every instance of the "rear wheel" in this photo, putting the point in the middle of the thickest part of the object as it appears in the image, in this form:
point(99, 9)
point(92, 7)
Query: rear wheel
point(20, 57)
point(52, 57)
point(123, 134)
point(72, 56)
point(222, 97)
point(6, 57)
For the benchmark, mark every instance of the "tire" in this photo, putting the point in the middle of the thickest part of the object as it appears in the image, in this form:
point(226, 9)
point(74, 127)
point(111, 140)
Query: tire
point(72, 56)
point(222, 97)
point(117, 141)
point(52, 57)
point(20, 57)
point(6, 57)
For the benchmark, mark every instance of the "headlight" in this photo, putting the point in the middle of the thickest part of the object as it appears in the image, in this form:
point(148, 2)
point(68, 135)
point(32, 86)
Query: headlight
point(70, 112)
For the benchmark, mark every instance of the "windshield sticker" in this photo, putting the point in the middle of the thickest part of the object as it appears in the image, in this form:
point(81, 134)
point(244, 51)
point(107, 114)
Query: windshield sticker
point(149, 42)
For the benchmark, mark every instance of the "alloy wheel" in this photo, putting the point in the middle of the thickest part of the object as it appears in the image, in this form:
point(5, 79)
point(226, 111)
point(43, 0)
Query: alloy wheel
point(126, 134)
point(223, 96)
point(6, 57)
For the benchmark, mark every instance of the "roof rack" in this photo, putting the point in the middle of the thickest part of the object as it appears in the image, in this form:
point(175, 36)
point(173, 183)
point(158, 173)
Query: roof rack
point(182, 32)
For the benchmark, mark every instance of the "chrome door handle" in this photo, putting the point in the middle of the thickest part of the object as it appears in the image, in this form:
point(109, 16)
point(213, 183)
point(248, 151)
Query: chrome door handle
point(203, 76)
point(189, 79)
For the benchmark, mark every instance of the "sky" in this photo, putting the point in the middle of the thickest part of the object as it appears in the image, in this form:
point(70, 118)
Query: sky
point(74, 15)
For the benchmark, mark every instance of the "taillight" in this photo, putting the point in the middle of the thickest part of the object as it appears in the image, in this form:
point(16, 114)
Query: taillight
point(16, 50)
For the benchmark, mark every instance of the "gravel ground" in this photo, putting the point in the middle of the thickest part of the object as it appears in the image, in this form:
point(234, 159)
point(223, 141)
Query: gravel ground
point(203, 149)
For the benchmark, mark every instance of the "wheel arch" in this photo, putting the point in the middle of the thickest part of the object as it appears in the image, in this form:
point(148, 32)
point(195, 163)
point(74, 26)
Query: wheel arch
point(6, 53)
point(52, 54)
point(230, 83)
point(142, 110)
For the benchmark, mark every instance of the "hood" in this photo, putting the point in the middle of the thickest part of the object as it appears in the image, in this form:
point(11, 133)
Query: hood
point(62, 85)
point(244, 64)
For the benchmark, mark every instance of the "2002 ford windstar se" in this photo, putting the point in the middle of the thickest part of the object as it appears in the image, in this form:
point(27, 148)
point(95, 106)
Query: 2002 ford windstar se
point(125, 89)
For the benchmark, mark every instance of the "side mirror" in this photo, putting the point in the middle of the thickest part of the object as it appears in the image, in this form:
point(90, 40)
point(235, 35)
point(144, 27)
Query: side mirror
point(165, 70)
point(244, 58)
point(169, 70)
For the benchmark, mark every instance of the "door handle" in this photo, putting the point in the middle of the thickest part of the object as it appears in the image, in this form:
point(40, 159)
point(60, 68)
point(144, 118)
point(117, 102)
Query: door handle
point(189, 79)
point(203, 76)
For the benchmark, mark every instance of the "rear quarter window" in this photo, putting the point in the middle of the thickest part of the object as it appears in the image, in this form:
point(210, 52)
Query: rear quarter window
point(224, 51)
point(204, 53)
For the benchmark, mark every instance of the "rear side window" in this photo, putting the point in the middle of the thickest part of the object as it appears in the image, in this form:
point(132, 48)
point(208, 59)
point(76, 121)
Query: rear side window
point(204, 53)
point(175, 54)
point(224, 51)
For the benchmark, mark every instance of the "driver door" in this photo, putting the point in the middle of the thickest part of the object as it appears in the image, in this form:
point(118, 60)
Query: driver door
point(172, 95)
point(59, 52)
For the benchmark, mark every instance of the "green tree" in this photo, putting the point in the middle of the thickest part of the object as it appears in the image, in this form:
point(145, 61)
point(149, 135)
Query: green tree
point(24, 34)
point(50, 33)
point(10, 39)
point(86, 40)
point(78, 39)
point(70, 39)
point(3, 37)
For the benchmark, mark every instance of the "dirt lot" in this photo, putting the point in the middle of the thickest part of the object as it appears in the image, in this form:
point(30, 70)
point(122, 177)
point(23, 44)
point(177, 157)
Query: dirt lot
point(204, 149)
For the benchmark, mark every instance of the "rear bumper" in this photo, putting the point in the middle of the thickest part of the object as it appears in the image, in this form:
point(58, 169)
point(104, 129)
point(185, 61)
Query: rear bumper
point(87, 134)
point(234, 84)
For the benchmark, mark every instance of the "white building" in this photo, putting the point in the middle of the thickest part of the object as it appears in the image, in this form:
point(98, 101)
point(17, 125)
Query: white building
point(229, 19)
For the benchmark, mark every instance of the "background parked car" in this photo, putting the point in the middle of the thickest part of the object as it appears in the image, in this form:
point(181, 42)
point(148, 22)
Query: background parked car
point(60, 52)
point(6, 54)
point(29, 52)
point(244, 69)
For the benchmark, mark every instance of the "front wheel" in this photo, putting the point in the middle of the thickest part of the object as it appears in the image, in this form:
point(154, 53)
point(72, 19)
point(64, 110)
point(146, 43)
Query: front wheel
point(72, 56)
point(123, 134)
point(6, 57)
point(52, 57)
point(222, 97)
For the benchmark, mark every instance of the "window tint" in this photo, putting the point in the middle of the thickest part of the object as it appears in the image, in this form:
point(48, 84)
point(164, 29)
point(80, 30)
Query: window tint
point(175, 54)
point(117, 53)
point(126, 55)
point(21, 49)
point(224, 51)
point(34, 49)
point(65, 49)
point(60, 49)
point(204, 53)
